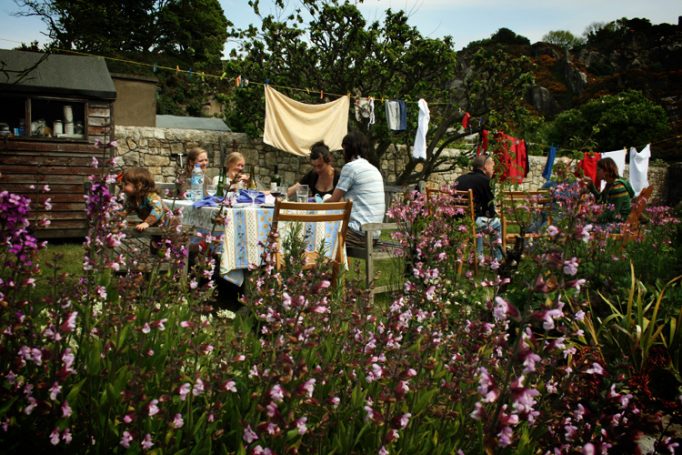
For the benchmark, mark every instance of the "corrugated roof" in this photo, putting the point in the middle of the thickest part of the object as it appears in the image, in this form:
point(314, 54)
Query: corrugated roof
point(55, 74)
point(191, 123)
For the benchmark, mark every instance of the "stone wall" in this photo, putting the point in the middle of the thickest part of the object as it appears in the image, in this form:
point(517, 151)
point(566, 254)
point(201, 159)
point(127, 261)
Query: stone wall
point(158, 150)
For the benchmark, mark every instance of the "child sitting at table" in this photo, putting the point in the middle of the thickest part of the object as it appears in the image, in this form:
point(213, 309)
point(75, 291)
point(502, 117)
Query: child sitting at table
point(141, 198)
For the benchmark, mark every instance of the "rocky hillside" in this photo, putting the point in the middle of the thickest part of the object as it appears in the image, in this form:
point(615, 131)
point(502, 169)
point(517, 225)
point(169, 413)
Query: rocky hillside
point(628, 54)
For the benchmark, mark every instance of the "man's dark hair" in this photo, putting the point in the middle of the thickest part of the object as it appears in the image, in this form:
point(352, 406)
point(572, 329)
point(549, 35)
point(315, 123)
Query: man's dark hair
point(320, 149)
point(355, 145)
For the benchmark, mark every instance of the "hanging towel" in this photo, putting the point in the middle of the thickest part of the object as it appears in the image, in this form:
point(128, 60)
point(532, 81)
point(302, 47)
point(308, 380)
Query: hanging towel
point(589, 165)
point(393, 115)
point(465, 120)
point(364, 109)
point(403, 115)
point(639, 168)
point(294, 126)
point(618, 156)
point(547, 171)
point(419, 149)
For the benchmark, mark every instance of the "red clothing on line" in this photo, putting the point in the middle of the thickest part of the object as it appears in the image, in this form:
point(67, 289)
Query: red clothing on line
point(465, 120)
point(589, 165)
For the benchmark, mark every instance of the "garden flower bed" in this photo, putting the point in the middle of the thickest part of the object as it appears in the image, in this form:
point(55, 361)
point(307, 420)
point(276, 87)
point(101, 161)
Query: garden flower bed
point(571, 345)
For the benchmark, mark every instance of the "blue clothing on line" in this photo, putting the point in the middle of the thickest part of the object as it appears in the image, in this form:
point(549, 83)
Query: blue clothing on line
point(547, 172)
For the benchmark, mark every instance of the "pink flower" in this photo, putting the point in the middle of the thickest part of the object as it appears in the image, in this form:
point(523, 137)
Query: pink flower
point(146, 328)
point(153, 408)
point(505, 436)
point(301, 425)
point(402, 388)
point(595, 369)
point(147, 442)
point(54, 437)
point(404, 420)
point(126, 439)
point(335, 401)
point(127, 418)
point(230, 386)
point(308, 387)
point(177, 421)
point(277, 394)
point(31, 406)
point(249, 435)
point(66, 436)
point(184, 390)
point(571, 267)
point(66, 409)
point(552, 231)
point(258, 450)
point(55, 390)
point(69, 325)
point(198, 388)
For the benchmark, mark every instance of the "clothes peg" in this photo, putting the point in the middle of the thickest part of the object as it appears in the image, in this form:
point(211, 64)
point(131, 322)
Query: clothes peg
point(321, 94)
point(222, 76)
point(238, 80)
point(154, 68)
point(203, 76)
point(177, 68)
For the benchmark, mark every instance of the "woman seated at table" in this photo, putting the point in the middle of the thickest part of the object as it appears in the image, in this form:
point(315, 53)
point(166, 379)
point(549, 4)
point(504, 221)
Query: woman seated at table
point(322, 179)
point(617, 193)
point(196, 155)
point(234, 167)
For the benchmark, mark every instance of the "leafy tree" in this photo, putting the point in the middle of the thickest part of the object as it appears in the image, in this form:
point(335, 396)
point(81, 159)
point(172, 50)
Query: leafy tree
point(563, 38)
point(611, 122)
point(188, 30)
point(339, 52)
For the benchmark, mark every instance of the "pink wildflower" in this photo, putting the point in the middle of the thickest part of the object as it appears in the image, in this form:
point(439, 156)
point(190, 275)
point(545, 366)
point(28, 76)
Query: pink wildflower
point(230, 386)
point(126, 439)
point(147, 442)
point(153, 408)
point(67, 437)
point(177, 421)
point(595, 369)
point(54, 437)
point(301, 425)
point(184, 390)
point(277, 394)
point(249, 435)
point(66, 409)
point(198, 388)
point(55, 390)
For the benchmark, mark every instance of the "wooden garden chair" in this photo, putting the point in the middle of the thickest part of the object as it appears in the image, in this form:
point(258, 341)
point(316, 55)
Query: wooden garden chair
point(521, 209)
point(632, 228)
point(462, 200)
point(306, 212)
point(376, 249)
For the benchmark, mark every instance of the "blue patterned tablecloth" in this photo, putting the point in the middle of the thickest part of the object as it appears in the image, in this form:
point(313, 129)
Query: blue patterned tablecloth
point(246, 230)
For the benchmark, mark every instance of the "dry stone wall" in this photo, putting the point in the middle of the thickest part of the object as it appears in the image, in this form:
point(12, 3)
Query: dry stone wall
point(158, 149)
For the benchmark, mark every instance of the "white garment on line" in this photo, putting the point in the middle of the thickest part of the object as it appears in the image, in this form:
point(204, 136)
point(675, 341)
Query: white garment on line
point(618, 156)
point(639, 168)
point(419, 149)
point(393, 115)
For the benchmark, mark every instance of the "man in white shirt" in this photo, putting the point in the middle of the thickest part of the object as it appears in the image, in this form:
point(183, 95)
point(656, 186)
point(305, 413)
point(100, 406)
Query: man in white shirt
point(361, 183)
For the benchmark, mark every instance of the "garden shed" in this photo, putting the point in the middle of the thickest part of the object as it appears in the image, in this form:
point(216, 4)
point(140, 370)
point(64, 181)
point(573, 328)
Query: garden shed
point(53, 111)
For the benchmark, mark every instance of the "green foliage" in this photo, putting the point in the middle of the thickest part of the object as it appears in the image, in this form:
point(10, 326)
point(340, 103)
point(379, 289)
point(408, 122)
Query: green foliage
point(192, 30)
point(611, 121)
point(563, 38)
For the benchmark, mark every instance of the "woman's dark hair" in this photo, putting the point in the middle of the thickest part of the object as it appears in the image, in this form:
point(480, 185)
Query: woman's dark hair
point(320, 149)
point(609, 167)
point(355, 145)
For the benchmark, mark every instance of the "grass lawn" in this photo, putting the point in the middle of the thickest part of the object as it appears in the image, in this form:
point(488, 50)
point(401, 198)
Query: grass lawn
point(68, 257)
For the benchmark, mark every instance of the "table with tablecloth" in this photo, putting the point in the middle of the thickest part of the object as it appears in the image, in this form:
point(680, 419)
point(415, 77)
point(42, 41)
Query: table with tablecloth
point(245, 233)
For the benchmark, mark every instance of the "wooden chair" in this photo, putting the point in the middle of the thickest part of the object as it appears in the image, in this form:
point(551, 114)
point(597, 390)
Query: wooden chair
point(521, 209)
point(376, 249)
point(459, 200)
point(632, 228)
point(137, 247)
point(314, 213)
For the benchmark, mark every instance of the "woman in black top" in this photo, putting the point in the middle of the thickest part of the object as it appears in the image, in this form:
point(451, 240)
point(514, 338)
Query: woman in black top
point(322, 179)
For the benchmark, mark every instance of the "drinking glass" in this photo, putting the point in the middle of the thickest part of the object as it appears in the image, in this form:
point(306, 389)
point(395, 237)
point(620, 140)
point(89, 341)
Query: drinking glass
point(211, 189)
point(253, 194)
point(302, 193)
point(278, 191)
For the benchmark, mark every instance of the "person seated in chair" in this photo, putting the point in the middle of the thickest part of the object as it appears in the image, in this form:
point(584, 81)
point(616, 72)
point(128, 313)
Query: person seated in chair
point(322, 179)
point(617, 193)
point(478, 181)
point(361, 183)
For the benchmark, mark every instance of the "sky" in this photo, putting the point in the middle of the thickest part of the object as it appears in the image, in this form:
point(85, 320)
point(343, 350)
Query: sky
point(464, 20)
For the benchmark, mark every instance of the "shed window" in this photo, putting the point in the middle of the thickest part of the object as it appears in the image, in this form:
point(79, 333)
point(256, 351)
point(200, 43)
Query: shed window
point(44, 118)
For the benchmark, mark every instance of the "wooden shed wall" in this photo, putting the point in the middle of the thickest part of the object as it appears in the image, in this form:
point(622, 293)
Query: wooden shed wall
point(64, 166)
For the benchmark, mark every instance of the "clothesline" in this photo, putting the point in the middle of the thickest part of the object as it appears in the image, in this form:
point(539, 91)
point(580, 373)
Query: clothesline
point(239, 81)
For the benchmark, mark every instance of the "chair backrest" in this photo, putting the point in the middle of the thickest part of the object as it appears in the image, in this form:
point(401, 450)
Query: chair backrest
point(392, 193)
point(515, 205)
point(639, 203)
point(457, 199)
point(314, 213)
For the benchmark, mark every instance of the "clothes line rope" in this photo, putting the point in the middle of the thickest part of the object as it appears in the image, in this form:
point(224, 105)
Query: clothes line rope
point(203, 75)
